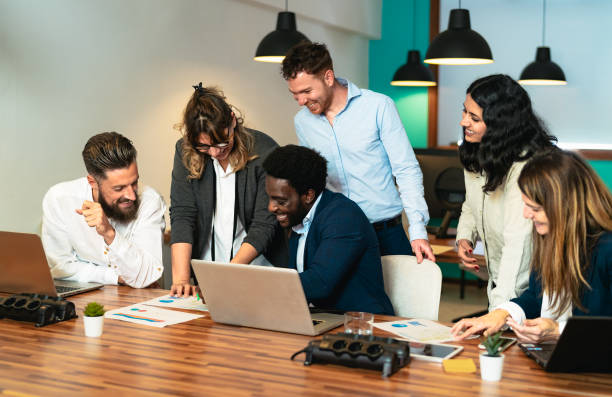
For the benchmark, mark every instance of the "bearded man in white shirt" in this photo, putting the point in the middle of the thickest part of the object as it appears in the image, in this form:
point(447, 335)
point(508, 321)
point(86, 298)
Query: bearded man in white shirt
point(98, 228)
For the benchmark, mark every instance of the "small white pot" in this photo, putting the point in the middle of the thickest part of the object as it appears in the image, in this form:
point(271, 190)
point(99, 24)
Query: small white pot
point(491, 367)
point(93, 326)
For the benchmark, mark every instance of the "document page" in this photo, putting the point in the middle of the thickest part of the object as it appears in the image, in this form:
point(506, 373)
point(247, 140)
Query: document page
point(149, 315)
point(416, 330)
point(175, 302)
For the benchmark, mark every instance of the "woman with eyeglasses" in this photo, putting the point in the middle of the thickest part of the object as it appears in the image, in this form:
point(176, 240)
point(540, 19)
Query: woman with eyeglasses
point(500, 133)
point(218, 199)
point(571, 267)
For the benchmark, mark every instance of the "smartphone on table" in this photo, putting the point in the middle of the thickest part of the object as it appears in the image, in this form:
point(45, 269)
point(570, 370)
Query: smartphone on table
point(507, 342)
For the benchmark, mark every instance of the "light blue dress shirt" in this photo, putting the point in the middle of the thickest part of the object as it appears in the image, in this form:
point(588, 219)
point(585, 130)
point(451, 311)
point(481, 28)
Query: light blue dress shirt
point(302, 229)
point(366, 148)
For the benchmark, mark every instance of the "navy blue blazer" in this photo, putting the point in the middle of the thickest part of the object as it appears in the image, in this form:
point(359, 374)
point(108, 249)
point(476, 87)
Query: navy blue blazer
point(597, 300)
point(342, 268)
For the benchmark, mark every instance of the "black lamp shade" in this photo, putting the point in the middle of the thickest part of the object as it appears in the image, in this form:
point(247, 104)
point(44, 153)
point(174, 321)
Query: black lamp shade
point(459, 45)
point(275, 45)
point(413, 72)
point(542, 71)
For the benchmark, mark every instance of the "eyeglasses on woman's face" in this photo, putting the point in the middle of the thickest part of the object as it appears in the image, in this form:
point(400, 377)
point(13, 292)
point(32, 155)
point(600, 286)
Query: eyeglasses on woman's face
point(203, 145)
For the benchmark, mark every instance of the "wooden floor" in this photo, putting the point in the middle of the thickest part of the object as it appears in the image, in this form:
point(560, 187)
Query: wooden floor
point(452, 306)
point(201, 357)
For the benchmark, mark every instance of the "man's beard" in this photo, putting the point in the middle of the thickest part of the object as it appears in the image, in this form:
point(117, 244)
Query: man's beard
point(113, 211)
point(298, 216)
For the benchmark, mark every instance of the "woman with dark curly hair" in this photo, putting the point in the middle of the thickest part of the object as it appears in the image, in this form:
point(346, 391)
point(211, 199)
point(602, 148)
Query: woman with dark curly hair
point(218, 199)
point(571, 268)
point(500, 133)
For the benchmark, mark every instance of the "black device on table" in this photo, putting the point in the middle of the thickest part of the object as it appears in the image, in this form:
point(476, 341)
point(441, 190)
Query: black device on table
point(387, 355)
point(38, 309)
point(584, 346)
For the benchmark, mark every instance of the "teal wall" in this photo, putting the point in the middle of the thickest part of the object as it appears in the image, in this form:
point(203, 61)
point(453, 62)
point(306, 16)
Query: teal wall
point(390, 52)
point(604, 169)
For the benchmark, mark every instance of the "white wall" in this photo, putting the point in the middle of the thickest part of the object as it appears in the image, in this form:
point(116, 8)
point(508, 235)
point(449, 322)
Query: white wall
point(578, 33)
point(73, 68)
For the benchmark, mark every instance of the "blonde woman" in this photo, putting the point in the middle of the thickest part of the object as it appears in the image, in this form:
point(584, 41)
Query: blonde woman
point(218, 200)
point(571, 266)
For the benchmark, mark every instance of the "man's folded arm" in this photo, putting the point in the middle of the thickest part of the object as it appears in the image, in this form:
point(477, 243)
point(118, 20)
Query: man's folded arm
point(138, 260)
point(63, 261)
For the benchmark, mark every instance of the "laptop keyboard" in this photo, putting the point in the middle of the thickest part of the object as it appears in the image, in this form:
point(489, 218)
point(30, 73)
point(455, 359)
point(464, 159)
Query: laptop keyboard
point(540, 353)
point(61, 289)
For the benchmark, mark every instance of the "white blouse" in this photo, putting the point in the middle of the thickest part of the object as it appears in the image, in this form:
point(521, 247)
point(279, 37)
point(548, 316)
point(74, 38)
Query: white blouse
point(547, 311)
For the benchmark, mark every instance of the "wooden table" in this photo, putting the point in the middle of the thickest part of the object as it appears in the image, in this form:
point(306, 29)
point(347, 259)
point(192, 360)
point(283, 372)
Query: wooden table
point(201, 357)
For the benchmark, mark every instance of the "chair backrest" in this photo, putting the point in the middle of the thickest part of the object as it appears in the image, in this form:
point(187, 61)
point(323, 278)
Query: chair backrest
point(413, 288)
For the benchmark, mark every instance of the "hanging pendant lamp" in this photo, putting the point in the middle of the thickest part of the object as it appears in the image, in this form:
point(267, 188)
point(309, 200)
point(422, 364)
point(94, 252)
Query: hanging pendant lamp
point(459, 45)
point(413, 73)
point(275, 45)
point(542, 71)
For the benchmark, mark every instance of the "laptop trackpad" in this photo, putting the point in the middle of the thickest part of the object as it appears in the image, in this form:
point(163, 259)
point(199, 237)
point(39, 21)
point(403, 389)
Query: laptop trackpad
point(326, 321)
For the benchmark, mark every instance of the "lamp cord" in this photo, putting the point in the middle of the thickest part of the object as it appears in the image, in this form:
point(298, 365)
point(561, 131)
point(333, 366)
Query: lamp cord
point(543, 22)
point(413, 22)
point(286, 5)
point(459, 3)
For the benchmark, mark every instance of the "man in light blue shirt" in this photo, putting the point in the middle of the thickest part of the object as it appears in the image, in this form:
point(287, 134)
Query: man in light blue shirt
point(360, 134)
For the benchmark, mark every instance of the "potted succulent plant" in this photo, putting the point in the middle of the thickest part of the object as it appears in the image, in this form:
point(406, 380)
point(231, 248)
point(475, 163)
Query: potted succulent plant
point(93, 317)
point(492, 362)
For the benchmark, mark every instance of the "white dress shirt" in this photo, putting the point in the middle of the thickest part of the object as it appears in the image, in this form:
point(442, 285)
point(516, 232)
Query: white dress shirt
point(223, 220)
point(75, 251)
point(302, 229)
point(547, 311)
point(223, 217)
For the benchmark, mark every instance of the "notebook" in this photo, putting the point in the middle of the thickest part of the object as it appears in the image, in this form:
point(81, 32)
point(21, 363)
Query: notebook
point(24, 268)
point(260, 297)
point(584, 346)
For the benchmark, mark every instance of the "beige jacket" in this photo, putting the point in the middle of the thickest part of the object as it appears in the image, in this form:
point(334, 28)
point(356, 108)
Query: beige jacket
point(497, 218)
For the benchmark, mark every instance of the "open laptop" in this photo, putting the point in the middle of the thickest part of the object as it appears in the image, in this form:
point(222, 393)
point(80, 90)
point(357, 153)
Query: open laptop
point(24, 268)
point(585, 345)
point(260, 297)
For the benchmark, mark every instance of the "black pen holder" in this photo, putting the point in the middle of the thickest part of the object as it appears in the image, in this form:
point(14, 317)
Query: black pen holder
point(387, 355)
point(38, 309)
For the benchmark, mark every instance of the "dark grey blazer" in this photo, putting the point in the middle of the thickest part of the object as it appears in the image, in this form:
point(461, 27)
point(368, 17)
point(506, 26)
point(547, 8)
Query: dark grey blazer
point(192, 202)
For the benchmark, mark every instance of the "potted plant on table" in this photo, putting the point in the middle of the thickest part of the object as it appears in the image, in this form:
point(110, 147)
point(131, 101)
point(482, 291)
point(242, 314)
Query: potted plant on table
point(93, 317)
point(492, 362)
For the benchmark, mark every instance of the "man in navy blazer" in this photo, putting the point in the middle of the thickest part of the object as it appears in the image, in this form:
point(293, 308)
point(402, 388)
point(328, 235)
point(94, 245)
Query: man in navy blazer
point(332, 245)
